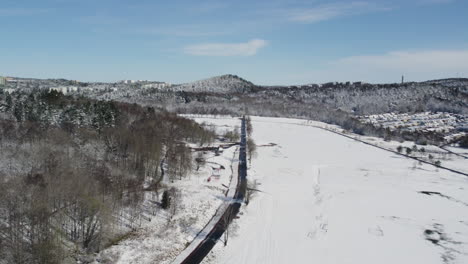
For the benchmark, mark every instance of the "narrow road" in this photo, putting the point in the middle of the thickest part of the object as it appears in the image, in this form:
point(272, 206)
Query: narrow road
point(205, 246)
point(454, 153)
point(393, 151)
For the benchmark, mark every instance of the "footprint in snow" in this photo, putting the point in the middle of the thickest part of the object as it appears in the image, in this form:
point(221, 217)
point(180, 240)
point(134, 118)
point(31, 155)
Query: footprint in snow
point(376, 231)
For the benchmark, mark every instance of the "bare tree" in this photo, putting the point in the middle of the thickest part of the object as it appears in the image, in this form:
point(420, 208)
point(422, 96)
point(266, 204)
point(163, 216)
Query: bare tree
point(251, 149)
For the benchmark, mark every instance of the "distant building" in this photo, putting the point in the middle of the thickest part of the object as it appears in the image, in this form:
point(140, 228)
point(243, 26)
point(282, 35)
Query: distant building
point(64, 89)
point(3, 81)
point(156, 85)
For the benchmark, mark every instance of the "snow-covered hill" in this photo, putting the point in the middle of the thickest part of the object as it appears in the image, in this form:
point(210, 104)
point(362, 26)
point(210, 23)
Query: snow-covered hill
point(220, 84)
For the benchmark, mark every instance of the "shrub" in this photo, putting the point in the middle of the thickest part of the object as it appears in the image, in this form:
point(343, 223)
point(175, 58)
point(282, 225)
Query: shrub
point(408, 151)
point(464, 142)
point(399, 149)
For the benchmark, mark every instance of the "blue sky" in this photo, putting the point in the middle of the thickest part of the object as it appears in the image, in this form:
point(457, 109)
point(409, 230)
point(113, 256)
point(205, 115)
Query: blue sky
point(267, 42)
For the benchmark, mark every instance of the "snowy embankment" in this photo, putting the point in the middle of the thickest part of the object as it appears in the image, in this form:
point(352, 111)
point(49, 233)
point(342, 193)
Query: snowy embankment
point(329, 199)
point(163, 238)
point(228, 199)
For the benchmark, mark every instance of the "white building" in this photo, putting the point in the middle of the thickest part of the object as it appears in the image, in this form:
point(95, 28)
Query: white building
point(9, 90)
point(161, 85)
point(64, 89)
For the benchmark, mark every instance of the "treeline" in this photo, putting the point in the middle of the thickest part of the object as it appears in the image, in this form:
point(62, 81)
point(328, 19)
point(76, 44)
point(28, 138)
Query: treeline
point(52, 108)
point(294, 108)
point(334, 103)
point(364, 99)
point(74, 172)
point(355, 98)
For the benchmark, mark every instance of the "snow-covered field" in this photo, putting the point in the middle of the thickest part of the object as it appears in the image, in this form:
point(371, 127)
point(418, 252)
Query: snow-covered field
point(449, 160)
point(329, 199)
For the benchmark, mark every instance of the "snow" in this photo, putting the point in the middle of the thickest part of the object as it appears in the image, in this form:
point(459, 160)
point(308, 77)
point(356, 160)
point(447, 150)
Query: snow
point(447, 159)
point(329, 199)
point(424, 121)
point(459, 150)
point(161, 240)
point(219, 84)
point(214, 220)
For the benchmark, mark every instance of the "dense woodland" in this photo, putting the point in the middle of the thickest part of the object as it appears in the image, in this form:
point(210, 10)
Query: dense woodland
point(75, 171)
point(334, 103)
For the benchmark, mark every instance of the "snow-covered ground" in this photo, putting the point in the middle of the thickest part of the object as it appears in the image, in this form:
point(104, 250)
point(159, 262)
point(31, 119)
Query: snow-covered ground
point(329, 199)
point(163, 238)
point(447, 159)
point(458, 150)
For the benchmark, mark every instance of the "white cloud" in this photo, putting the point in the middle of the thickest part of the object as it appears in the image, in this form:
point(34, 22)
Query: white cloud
point(389, 67)
point(333, 10)
point(226, 49)
point(412, 61)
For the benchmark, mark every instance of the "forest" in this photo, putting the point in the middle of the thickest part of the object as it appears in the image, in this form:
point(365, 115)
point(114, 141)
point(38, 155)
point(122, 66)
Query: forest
point(75, 171)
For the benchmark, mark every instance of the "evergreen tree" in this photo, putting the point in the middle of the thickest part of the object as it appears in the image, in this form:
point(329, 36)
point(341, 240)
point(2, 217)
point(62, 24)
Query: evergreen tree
point(18, 112)
point(166, 200)
point(9, 102)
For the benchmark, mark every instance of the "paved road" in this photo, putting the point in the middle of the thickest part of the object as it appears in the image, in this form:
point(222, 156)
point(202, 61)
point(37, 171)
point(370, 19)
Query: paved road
point(218, 230)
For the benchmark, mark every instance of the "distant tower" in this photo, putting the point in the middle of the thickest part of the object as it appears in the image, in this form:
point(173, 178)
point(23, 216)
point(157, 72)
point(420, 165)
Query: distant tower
point(402, 79)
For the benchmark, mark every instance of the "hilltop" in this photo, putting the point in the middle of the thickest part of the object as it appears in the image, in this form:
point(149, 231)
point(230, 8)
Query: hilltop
point(227, 83)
